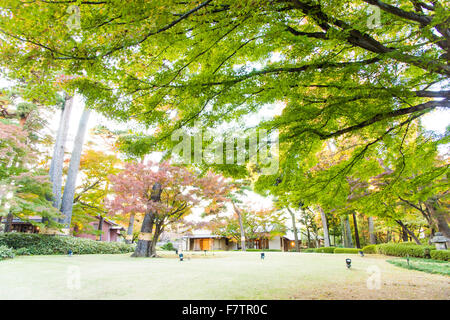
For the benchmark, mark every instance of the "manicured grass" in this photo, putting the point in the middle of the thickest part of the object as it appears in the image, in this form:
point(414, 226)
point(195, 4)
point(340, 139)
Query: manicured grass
point(224, 275)
point(426, 265)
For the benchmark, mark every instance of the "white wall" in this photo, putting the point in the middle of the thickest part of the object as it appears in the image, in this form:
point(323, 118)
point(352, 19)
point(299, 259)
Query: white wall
point(274, 243)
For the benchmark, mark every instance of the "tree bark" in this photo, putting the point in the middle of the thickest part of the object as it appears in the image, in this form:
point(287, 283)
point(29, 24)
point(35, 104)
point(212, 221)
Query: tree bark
point(443, 225)
point(100, 227)
point(406, 232)
point(8, 222)
point(294, 229)
point(130, 229)
point(441, 218)
point(355, 224)
point(69, 189)
point(56, 165)
point(326, 236)
point(144, 245)
point(372, 236)
point(241, 226)
point(348, 242)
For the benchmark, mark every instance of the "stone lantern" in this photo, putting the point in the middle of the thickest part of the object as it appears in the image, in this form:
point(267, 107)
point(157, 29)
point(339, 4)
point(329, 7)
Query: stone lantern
point(440, 241)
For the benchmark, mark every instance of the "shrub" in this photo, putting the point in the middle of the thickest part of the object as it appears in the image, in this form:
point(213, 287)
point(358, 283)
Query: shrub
point(42, 244)
point(168, 246)
point(265, 250)
point(325, 250)
point(443, 255)
point(6, 253)
point(404, 249)
point(309, 250)
point(370, 249)
point(22, 252)
point(346, 250)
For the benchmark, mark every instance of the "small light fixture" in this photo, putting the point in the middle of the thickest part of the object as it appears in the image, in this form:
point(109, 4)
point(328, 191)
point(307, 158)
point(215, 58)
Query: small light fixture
point(348, 262)
point(181, 256)
point(262, 255)
point(361, 253)
point(70, 253)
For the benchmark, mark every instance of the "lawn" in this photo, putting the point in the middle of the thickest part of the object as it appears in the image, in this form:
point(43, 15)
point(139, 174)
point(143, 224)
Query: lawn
point(426, 265)
point(224, 275)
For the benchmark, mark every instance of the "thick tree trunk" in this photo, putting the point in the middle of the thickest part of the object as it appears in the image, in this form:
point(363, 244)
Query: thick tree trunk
point(294, 229)
point(144, 245)
point(372, 236)
point(8, 222)
point(355, 225)
point(348, 242)
point(442, 225)
point(69, 189)
point(241, 226)
point(440, 216)
point(56, 165)
point(404, 235)
point(326, 236)
point(129, 238)
point(388, 236)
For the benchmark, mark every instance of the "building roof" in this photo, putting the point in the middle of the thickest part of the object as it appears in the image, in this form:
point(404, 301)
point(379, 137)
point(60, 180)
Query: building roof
point(290, 236)
point(202, 236)
point(39, 219)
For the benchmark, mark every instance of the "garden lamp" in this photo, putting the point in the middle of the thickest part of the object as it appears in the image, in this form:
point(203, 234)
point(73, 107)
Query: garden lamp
point(262, 255)
point(361, 253)
point(181, 256)
point(70, 253)
point(348, 262)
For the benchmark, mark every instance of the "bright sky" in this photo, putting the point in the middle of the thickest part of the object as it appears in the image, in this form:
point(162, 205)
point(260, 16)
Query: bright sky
point(436, 121)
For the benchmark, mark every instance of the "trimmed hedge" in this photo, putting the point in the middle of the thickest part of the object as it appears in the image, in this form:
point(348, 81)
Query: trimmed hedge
point(325, 250)
point(6, 253)
point(309, 250)
point(262, 250)
point(404, 249)
point(372, 248)
point(168, 247)
point(443, 255)
point(346, 250)
point(42, 244)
